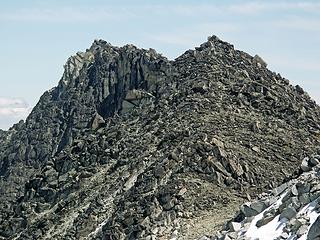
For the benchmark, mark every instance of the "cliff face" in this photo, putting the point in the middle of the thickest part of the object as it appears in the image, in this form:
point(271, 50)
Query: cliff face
point(131, 145)
point(92, 87)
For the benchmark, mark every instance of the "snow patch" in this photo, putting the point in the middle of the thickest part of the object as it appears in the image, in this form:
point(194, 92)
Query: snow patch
point(269, 231)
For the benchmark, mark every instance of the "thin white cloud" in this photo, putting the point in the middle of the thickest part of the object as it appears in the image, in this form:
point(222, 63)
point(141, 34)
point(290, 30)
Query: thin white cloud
point(255, 7)
point(248, 8)
point(118, 13)
point(294, 63)
point(14, 112)
point(5, 102)
point(298, 23)
point(65, 15)
point(14, 108)
point(194, 35)
point(240, 8)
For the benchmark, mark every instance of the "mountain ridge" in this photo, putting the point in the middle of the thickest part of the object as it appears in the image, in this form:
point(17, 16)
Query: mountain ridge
point(145, 136)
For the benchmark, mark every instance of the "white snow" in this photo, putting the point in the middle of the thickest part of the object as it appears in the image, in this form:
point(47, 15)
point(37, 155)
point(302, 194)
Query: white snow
point(274, 229)
point(308, 210)
point(269, 231)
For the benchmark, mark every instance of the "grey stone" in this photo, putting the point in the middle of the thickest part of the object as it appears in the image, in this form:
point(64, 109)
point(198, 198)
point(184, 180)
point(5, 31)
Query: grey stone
point(314, 196)
point(299, 89)
point(226, 237)
point(305, 165)
point(235, 226)
point(259, 61)
point(219, 167)
point(258, 206)
point(295, 203)
point(169, 205)
point(204, 238)
point(314, 232)
point(314, 160)
point(233, 235)
point(47, 193)
point(266, 219)
point(294, 190)
point(279, 190)
point(296, 224)
point(97, 121)
point(304, 198)
point(248, 211)
point(315, 188)
point(302, 230)
point(159, 172)
point(303, 188)
point(235, 168)
point(284, 235)
point(288, 213)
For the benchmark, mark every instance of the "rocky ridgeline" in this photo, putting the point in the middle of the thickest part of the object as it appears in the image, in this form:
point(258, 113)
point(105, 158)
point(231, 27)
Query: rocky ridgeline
point(290, 211)
point(130, 145)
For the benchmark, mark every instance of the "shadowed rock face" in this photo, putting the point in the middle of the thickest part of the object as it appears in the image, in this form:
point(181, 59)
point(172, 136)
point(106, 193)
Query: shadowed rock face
point(131, 145)
point(94, 82)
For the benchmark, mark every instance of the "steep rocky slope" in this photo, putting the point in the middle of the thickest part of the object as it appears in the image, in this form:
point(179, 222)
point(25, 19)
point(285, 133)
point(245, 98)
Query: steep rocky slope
point(94, 84)
point(132, 145)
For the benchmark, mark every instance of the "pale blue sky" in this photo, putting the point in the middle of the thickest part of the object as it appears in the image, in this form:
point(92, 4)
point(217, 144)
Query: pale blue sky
point(36, 38)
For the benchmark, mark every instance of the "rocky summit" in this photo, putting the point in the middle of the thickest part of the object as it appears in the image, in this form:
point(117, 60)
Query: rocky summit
point(131, 145)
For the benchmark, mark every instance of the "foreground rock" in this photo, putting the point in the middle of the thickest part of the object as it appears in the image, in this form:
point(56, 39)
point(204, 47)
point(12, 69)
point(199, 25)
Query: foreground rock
point(130, 145)
point(290, 211)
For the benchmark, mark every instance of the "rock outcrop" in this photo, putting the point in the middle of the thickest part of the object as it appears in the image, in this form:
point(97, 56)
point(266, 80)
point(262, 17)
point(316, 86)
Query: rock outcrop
point(94, 84)
point(130, 145)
